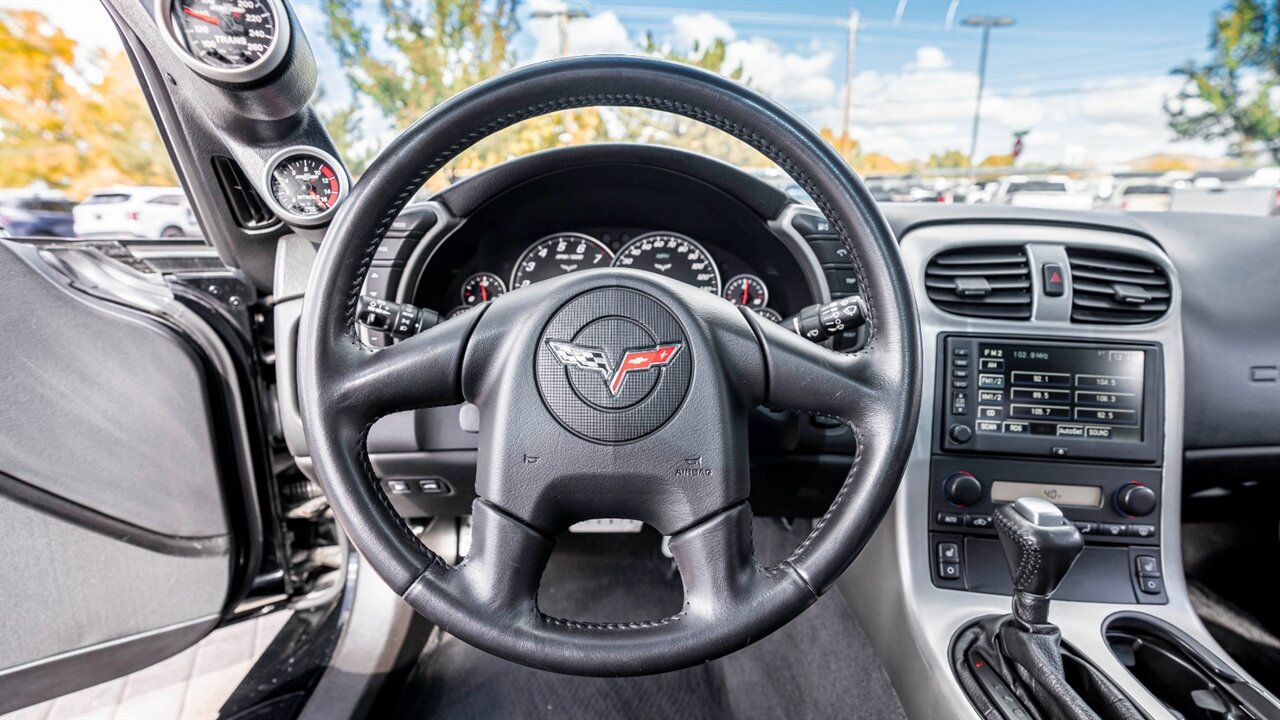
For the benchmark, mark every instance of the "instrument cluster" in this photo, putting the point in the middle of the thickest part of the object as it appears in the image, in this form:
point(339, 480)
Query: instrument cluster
point(672, 254)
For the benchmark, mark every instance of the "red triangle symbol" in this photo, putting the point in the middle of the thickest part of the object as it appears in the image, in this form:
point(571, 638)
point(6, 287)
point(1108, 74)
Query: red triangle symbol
point(1055, 278)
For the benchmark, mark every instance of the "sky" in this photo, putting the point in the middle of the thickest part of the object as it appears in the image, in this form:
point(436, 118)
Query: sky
point(1087, 78)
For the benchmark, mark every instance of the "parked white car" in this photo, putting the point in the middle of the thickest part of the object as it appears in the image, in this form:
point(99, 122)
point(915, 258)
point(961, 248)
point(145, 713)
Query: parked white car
point(145, 212)
point(1054, 192)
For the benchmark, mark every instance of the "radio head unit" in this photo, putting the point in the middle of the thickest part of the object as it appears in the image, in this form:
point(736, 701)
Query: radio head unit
point(1051, 398)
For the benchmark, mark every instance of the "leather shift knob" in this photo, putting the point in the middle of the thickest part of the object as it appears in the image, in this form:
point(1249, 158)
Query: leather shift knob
point(1040, 547)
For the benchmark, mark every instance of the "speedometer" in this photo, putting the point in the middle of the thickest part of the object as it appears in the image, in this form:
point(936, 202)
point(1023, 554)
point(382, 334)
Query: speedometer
point(228, 40)
point(674, 255)
point(559, 255)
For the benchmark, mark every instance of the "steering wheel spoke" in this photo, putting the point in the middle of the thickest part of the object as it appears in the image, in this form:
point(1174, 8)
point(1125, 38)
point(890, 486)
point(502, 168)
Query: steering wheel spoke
point(807, 377)
point(424, 370)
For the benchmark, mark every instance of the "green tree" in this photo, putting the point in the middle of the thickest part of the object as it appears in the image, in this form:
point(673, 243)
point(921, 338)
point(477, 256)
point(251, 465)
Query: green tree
point(1232, 96)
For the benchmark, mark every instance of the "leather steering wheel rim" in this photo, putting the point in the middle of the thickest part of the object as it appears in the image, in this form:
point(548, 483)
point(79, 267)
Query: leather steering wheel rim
point(735, 362)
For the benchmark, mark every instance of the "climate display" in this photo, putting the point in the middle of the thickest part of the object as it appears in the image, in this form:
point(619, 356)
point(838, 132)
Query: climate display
point(1063, 392)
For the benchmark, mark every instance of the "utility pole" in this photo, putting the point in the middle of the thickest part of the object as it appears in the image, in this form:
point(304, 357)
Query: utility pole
point(986, 23)
point(851, 54)
point(563, 16)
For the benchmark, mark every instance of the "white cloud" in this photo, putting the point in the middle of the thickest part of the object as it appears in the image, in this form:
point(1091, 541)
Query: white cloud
point(785, 76)
point(700, 30)
point(930, 58)
point(603, 33)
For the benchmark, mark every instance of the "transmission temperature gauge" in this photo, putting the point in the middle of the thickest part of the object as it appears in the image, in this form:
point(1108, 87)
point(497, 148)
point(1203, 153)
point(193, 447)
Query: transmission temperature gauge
point(747, 290)
point(304, 185)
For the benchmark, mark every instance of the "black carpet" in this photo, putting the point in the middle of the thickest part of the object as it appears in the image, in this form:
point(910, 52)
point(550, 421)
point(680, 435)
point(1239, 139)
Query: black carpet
point(818, 666)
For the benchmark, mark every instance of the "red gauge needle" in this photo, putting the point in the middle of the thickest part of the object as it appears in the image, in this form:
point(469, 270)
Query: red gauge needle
point(319, 200)
point(201, 16)
point(746, 286)
point(484, 293)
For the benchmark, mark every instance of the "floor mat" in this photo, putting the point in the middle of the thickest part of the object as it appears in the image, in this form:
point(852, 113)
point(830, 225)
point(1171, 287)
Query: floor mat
point(818, 666)
point(1245, 639)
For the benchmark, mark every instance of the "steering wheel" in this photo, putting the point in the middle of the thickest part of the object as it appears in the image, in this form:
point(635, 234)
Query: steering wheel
point(608, 393)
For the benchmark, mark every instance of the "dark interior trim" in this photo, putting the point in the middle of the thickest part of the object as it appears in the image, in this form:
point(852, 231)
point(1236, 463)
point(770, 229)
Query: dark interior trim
point(84, 517)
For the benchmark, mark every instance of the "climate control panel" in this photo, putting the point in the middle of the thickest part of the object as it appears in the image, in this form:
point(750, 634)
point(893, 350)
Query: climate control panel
point(1115, 507)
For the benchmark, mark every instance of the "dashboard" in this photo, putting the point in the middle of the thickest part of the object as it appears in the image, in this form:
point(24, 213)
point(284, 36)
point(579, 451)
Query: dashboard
point(626, 216)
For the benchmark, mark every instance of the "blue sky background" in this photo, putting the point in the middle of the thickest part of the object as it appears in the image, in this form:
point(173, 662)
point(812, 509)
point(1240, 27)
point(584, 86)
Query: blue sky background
point(1087, 78)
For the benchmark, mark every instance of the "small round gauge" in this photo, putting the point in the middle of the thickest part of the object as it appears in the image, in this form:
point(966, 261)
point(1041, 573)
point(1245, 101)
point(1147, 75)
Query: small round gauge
point(481, 287)
point(559, 254)
point(769, 314)
point(674, 255)
point(229, 40)
point(747, 290)
point(457, 311)
point(305, 185)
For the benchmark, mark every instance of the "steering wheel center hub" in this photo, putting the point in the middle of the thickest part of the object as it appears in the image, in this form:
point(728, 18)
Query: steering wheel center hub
point(613, 365)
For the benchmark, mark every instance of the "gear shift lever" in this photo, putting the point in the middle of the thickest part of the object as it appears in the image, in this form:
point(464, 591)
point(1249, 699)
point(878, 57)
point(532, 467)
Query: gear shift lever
point(1040, 547)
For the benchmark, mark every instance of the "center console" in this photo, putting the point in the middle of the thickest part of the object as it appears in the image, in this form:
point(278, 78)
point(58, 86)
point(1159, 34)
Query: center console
point(1093, 411)
point(1033, 389)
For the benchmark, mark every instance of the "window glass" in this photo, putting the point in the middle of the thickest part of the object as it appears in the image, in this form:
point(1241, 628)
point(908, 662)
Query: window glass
point(75, 131)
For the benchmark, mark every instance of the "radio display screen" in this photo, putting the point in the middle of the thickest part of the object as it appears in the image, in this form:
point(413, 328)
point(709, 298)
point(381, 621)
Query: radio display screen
point(1086, 393)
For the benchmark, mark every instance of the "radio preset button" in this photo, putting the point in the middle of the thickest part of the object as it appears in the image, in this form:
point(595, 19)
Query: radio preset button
point(1041, 378)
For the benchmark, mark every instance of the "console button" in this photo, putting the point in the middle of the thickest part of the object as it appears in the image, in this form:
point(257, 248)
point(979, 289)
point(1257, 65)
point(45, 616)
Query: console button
point(399, 487)
point(433, 486)
point(960, 352)
point(1055, 284)
point(1151, 585)
point(946, 518)
point(1142, 531)
point(1147, 566)
point(978, 521)
point(948, 570)
point(949, 552)
point(960, 363)
point(1111, 529)
point(1086, 528)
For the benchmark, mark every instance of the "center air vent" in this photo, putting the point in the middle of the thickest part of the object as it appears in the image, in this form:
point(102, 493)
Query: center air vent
point(993, 281)
point(1116, 289)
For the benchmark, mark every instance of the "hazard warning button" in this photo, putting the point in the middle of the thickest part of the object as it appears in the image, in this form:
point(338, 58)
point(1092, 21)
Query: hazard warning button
point(1055, 283)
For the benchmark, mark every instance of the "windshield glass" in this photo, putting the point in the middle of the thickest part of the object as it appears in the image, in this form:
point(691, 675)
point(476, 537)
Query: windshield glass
point(940, 100)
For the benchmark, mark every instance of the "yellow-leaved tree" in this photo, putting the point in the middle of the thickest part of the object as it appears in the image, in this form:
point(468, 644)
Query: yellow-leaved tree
point(71, 123)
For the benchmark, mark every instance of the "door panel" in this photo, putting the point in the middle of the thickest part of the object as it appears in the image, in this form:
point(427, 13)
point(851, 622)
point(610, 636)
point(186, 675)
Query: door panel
point(116, 549)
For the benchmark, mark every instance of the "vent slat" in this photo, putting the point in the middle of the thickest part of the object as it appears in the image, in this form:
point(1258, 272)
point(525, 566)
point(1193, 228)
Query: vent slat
point(1015, 283)
point(247, 207)
point(1116, 289)
point(1110, 277)
point(991, 282)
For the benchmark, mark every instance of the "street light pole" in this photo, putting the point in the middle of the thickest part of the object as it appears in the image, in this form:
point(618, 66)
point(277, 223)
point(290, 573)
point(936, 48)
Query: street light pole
point(851, 52)
point(986, 23)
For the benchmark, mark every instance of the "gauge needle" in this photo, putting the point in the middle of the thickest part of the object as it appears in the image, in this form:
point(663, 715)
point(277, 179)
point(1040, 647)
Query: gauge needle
point(746, 288)
point(319, 200)
point(201, 16)
point(484, 293)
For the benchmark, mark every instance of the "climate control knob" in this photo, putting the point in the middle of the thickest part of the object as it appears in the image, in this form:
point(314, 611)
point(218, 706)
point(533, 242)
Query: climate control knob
point(962, 489)
point(1136, 500)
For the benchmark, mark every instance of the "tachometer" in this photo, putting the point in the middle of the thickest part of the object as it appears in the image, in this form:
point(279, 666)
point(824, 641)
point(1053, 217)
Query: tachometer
point(747, 290)
point(305, 185)
point(673, 255)
point(481, 287)
point(559, 255)
point(228, 40)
